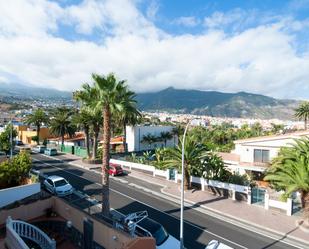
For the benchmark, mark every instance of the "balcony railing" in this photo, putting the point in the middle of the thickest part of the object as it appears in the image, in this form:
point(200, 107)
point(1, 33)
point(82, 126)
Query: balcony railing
point(16, 230)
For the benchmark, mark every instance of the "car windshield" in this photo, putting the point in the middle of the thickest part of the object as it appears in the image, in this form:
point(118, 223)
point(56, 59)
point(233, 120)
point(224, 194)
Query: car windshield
point(60, 183)
point(160, 235)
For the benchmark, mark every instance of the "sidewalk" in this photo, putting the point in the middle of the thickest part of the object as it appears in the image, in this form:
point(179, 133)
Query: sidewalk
point(270, 223)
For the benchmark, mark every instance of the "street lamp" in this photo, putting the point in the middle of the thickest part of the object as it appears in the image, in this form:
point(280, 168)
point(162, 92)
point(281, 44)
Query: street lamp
point(182, 184)
point(11, 137)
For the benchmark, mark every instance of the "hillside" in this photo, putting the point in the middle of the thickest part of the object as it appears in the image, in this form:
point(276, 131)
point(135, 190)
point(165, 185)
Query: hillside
point(22, 92)
point(214, 103)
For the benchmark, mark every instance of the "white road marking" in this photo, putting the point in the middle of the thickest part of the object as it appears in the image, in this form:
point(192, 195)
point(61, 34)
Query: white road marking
point(216, 235)
point(129, 197)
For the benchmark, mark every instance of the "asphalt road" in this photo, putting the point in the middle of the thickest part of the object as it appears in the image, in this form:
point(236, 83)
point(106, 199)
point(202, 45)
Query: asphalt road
point(199, 228)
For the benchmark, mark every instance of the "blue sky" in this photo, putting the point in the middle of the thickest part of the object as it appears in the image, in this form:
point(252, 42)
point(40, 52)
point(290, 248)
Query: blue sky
point(254, 46)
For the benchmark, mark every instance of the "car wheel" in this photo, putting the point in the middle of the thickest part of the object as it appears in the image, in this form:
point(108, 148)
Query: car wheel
point(113, 174)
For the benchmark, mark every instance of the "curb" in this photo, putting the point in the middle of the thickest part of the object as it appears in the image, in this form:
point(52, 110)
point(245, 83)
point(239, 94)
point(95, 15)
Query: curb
point(267, 232)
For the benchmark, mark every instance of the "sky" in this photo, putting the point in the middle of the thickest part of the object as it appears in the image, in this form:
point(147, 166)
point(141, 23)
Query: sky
point(229, 46)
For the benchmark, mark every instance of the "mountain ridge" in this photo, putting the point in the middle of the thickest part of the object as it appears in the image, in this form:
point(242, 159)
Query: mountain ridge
point(214, 103)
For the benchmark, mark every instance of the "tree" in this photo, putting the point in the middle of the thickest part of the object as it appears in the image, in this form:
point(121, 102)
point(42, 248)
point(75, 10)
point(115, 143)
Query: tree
point(302, 113)
point(194, 153)
point(109, 94)
point(81, 120)
point(149, 139)
point(129, 114)
point(61, 123)
point(96, 124)
point(290, 171)
point(5, 141)
point(165, 136)
point(257, 129)
point(212, 167)
point(37, 118)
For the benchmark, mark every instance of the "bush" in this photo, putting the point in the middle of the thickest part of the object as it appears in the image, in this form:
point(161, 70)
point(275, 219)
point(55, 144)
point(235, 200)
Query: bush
point(13, 172)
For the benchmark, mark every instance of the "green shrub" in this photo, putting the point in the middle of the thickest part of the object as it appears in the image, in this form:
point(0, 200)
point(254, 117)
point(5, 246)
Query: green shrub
point(15, 171)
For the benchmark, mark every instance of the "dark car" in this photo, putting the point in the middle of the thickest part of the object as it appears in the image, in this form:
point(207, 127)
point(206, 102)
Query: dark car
point(18, 142)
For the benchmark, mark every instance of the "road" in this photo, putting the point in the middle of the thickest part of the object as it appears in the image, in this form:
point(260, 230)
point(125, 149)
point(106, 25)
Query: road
point(199, 228)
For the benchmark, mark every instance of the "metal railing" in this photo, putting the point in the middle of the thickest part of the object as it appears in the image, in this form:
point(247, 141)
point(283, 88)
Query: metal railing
point(16, 230)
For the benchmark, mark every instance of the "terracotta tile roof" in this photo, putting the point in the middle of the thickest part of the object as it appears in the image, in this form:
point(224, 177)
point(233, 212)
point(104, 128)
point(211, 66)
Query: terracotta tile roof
point(229, 156)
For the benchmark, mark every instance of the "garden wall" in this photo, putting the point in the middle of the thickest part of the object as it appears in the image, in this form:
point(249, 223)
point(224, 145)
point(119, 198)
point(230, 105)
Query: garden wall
point(10, 195)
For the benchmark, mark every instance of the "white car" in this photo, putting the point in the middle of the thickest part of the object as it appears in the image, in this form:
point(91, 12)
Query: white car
point(151, 228)
point(214, 244)
point(58, 185)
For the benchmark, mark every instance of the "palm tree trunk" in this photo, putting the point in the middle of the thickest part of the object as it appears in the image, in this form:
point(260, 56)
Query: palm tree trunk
point(125, 147)
point(95, 145)
point(87, 142)
point(105, 160)
point(187, 181)
point(38, 128)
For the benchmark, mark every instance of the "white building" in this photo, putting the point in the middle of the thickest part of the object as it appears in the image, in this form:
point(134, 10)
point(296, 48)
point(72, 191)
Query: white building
point(135, 135)
point(254, 154)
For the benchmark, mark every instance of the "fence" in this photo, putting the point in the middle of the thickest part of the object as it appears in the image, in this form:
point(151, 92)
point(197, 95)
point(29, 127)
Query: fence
point(75, 150)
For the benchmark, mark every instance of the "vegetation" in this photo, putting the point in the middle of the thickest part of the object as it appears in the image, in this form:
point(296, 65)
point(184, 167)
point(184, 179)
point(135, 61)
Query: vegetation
point(61, 123)
point(5, 143)
point(81, 119)
point(113, 98)
point(37, 118)
point(14, 172)
point(302, 113)
point(290, 171)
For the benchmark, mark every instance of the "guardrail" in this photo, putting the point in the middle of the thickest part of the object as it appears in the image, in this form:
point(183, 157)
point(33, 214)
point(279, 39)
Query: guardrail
point(17, 229)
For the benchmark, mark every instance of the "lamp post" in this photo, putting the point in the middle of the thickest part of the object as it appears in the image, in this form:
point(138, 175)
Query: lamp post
point(11, 139)
point(182, 184)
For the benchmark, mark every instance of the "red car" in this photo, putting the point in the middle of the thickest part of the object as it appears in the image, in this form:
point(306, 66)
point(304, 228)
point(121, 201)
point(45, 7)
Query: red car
point(115, 169)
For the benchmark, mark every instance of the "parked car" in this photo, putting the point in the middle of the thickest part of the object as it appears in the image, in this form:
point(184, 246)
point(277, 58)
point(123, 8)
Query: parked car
point(214, 244)
point(25, 149)
point(58, 185)
point(18, 142)
point(115, 169)
point(151, 228)
point(39, 149)
point(50, 151)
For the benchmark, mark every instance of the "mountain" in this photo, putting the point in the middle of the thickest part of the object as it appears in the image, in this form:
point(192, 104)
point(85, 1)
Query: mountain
point(24, 92)
point(212, 103)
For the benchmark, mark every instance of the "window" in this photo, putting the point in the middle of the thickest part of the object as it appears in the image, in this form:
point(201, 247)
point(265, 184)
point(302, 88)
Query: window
point(261, 156)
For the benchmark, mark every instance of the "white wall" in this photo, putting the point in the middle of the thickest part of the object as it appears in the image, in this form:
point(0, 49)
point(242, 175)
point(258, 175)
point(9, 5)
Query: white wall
point(246, 149)
point(135, 136)
point(10, 195)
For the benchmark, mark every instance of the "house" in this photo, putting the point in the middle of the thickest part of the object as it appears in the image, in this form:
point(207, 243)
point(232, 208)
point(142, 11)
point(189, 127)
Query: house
point(136, 135)
point(25, 133)
point(77, 140)
point(253, 155)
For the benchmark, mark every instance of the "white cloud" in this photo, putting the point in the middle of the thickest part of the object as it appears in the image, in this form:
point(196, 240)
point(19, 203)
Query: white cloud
point(188, 21)
point(260, 59)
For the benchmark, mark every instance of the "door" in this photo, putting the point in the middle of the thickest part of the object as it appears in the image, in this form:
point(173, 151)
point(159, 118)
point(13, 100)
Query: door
point(258, 196)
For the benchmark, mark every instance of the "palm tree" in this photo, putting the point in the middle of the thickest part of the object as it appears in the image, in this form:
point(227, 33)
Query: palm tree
point(129, 114)
point(61, 123)
point(96, 124)
point(290, 171)
point(193, 154)
point(81, 120)
point(302, 112)
point(166, 136)
point(109, 94)
point(149, 139)
point(37, 118)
